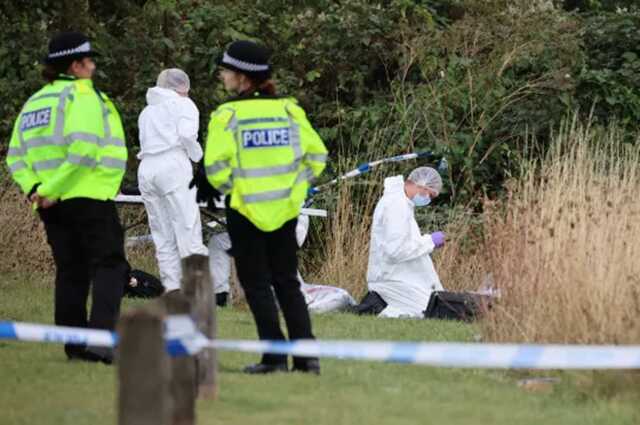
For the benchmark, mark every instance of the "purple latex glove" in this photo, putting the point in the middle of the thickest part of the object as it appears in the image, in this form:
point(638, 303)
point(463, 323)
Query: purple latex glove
point(438, 239)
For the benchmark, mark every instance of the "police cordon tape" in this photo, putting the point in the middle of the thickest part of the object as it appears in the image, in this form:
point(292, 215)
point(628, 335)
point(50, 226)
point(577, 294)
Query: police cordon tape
point(137, 199)
point(184, 339)
point(141, 239)
point(442, 167)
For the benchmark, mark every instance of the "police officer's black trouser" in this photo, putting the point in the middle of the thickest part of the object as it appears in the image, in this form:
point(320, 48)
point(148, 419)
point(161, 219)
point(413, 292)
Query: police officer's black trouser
point(87, 241)
point(263, 260)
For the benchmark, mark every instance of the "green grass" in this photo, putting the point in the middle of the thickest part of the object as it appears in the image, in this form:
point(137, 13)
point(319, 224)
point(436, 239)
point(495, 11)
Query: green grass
point(40, 387)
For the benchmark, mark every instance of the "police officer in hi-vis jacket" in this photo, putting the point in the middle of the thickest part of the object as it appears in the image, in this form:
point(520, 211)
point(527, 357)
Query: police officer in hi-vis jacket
point(262, 152)
point(68, 155)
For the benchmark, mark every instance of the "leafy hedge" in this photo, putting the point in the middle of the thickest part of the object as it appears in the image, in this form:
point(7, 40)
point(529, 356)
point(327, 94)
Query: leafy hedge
point(472, 79)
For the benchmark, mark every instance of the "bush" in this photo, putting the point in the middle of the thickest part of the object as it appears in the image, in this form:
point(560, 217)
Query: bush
point(469, 79)
point(610, 80)
point(23, 242)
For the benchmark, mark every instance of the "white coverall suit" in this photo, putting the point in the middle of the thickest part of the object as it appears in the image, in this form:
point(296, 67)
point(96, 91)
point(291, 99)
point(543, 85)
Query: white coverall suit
point(400, 269)
point(168, 128)
point(220, 262)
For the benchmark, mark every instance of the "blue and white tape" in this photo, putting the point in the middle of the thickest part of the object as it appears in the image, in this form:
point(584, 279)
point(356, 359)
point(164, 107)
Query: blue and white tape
point(181, 334)
point(183, 338)
point(137, 199)
point(442, 167)
point(460, 355)
point(58, 334)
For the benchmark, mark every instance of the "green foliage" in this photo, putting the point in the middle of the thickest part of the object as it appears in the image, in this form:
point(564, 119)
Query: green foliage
point(45, 389)
point(610, 80)
point(471, 79)
point(476, 90)
point(492, 80)
point(598, 5)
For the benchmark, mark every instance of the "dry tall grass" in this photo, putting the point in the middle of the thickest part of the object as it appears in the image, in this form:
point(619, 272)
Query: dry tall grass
point(345, 249)
point(460, 263)
point(23, 242)
point(563, 248)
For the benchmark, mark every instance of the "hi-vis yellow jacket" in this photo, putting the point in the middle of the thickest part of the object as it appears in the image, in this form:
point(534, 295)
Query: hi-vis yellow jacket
point(264, 153)
point(69, 139)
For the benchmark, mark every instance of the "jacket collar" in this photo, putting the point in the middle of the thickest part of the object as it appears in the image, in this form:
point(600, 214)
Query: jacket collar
point(252, 96)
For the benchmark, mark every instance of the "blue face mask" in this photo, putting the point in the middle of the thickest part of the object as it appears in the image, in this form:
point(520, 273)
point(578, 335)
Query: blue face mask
point(420, 200)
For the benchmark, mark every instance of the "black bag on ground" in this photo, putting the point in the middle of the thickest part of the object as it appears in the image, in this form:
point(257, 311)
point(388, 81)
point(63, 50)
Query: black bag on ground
point(372, 303)
point(143, 285)
point(456, 305)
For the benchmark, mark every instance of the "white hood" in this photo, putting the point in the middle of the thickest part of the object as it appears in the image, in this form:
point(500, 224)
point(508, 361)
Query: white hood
point(393, 185)
point(158, 95)
point(169, 121)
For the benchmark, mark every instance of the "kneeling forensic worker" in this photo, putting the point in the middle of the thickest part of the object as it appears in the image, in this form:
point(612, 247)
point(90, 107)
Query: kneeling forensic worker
point(400, 274)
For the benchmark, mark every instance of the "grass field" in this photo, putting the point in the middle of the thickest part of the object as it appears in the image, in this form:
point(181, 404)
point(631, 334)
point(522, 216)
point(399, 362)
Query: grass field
point(40, 387)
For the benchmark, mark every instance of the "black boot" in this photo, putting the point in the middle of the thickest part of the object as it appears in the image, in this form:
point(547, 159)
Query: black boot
point(74, 351)
point(263, 369)
point(310, 365)
point(99, 354)
point(91, 354)
point(222, 298)
point(372, 303)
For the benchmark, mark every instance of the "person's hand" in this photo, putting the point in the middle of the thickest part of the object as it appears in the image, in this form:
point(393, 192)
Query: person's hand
point(32, 192)
point(197, 176)
point(41, 201)
point(46, 202)
point(215, 196)
point(438, 239)
point(205, 192)
point(204, 189)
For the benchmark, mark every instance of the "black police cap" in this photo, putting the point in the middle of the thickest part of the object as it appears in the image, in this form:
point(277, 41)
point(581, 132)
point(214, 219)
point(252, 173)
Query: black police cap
point(69, 45)
point(248, 58)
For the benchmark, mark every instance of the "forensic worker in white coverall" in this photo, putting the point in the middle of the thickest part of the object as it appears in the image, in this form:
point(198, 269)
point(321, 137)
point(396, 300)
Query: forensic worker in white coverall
point(168, 128)
point(400, 275)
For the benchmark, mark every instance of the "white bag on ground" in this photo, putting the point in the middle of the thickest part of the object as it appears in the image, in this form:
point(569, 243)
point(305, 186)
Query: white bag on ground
point(320, 298)
point(324, 299)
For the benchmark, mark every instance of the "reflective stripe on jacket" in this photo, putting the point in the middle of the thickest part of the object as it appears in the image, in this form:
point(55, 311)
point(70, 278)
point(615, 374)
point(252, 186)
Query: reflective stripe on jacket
point(264, 152)
point(69, 139)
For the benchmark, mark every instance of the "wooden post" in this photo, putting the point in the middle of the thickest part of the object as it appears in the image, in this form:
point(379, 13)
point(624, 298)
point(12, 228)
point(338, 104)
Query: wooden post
point(197, 287)
point(183, 386)
point(143, 369)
